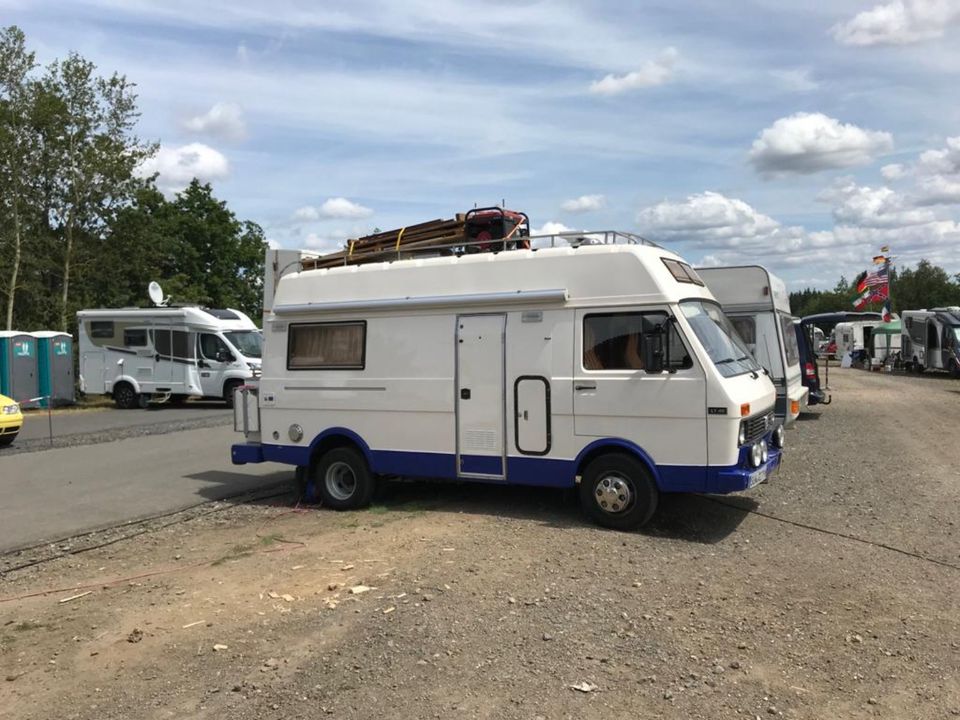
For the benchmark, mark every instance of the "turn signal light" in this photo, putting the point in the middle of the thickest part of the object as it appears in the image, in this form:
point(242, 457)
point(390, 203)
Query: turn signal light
point(794, 407)
point(744, 409)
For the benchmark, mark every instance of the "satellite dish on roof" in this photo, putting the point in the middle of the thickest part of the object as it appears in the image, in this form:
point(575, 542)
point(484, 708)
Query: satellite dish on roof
point(156, 294)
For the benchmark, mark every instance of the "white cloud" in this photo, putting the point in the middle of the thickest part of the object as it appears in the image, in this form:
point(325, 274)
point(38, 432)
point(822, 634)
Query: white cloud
point(806, 143)
point(706, 216)
point(223, 120)
point(938, 175)
point(898, 23)
point(177, 166)
point(551, 228)
point(337, 208)
point(894, 171)
point(941, 162)
point(795, 79)
point(650, 74)
point(868, 207)
point(584, 203)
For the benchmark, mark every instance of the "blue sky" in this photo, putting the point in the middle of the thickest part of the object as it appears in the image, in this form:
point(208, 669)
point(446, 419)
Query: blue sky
point(802, 138)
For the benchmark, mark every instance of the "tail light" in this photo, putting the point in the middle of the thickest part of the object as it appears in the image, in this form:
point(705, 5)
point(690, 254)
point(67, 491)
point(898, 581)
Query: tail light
point(809, 370)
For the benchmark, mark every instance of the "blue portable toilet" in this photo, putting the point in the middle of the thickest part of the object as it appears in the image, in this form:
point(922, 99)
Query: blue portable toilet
point(55, 367)
point(18, 367)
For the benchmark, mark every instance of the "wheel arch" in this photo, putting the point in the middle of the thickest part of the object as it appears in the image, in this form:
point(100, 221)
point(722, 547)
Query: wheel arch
point(129, 380)
point(338, 437)
point(606, 446)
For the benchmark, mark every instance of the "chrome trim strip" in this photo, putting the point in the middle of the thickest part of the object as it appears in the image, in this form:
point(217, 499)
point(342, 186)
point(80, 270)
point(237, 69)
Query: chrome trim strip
point(518, 296)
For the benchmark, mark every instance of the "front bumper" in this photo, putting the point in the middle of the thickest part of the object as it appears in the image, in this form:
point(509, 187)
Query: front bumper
point(243, 453)
point(742, 477)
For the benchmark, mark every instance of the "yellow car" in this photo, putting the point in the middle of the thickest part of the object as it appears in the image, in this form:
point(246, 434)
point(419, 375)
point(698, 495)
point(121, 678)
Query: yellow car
point(10, 420)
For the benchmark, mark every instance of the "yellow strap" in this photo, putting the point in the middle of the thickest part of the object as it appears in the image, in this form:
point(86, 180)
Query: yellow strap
point(399, 235)
point(350, 251)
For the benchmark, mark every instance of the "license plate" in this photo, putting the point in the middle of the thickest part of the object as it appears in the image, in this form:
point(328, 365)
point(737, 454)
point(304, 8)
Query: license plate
point(758, 477)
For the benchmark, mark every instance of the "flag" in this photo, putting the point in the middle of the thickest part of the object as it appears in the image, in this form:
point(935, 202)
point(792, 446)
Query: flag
point(887, 315)
point(861, 300)
point(858, 281)
point(885, 249)
point(879, 259)
point(879, 293)
point(877, 277)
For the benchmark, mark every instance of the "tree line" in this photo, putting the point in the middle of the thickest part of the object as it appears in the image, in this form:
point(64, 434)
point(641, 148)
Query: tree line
point(79, 226)
point(925, 286)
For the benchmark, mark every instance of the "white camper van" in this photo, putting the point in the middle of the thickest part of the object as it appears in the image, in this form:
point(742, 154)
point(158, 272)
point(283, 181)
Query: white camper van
point(612, 366)
point(757, 303)
point(166, 353)
point(931, 339)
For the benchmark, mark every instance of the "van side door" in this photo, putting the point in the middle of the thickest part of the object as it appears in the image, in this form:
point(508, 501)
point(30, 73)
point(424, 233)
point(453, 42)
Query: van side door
point(614, 396)
point(213, 357)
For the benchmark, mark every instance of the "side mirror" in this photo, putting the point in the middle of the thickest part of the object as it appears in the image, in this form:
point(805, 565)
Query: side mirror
point(224, 356)
point(654, 350)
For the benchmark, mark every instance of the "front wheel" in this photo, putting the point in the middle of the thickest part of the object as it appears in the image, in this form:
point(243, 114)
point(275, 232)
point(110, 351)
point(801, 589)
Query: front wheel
point(229, 389)
point(6, 440)
point(343, 479)
point(617, 491)
point(125, 396)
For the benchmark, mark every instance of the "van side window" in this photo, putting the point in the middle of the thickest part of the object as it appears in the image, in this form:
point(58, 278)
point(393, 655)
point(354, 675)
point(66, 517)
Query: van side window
point(101, 328)
point(211, 345)
point(173, 344)
point(340, 346)
point(746, 328)
point(614, 341)
point(134, 337)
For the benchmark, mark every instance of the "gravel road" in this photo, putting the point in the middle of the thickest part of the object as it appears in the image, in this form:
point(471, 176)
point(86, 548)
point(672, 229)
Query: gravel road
point(832, 592)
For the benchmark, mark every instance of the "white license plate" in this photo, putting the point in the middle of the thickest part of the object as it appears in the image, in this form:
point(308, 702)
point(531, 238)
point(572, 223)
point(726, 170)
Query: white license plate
point(758, 477)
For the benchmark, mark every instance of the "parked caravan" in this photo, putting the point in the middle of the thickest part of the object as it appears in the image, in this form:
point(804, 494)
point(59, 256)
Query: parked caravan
point(611, 366)
point(166, 353)
point(853, 336)
point(886, 342)
point(757, 303)
point(930, 339)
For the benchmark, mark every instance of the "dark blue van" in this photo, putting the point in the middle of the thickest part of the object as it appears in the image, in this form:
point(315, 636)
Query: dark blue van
point(809, 368)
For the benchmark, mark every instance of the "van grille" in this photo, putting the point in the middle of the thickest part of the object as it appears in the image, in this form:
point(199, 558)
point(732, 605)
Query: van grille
point(758, 426)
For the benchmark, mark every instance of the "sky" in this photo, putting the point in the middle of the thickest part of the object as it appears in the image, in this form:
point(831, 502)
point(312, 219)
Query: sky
point(800, 136)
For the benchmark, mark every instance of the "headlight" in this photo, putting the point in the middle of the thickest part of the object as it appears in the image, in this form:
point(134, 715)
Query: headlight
point(756, 455)
point(11, 409)
point(779, 437)
point(742, 435)
point(764, 452)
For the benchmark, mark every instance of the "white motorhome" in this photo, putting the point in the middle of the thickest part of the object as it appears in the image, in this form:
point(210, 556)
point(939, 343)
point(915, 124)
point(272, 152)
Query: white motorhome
point(166, 353)
point(758, 305)
point(930, 339)
point(611, 365)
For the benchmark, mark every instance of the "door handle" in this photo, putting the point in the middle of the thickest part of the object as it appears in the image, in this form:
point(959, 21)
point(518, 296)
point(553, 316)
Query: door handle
point(465, 393)
point(585, 386)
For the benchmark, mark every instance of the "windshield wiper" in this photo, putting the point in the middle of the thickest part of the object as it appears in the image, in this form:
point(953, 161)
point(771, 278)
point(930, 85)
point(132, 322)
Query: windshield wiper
point(725, 361)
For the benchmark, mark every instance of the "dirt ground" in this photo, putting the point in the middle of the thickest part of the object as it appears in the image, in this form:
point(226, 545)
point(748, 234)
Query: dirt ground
point(832, 592)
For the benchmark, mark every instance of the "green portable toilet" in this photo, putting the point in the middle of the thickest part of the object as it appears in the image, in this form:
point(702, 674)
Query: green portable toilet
point(55, 366)
point(18, 367)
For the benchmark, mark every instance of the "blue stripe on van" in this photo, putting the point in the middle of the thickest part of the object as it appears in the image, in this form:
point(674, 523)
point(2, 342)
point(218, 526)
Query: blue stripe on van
point(482, 464)
point(521, 470)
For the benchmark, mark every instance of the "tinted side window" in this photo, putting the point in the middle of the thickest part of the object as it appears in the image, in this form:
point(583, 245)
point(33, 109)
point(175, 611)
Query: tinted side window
point(614, 341)
point(135, 337)
point(210, 345)
point(789, 340)
point(101, 328)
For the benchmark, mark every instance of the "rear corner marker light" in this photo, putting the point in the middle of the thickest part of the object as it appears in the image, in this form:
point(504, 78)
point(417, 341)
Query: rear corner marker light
point(744, 409)
point(795, 407)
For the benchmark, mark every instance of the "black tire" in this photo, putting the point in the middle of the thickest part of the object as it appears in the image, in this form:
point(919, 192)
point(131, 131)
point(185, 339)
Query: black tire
point(228, 387)
point(125, 396)
point(954, 368)
point(6, 440)
point(342, 479)
point(617, 491)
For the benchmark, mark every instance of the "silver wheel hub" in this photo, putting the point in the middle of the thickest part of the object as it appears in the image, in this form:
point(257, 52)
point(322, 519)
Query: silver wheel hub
point(613, 493)
point(340, 481)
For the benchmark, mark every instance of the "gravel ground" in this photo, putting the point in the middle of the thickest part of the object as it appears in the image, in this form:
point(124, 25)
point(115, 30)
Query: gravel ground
point(832, 592)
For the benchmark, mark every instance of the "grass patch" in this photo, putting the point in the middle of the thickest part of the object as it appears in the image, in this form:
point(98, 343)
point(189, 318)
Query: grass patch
point(27, 625)
point(236, 552)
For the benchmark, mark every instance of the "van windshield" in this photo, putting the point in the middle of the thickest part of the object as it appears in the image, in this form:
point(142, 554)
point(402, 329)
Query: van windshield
point(718, 338)
point(248, 342)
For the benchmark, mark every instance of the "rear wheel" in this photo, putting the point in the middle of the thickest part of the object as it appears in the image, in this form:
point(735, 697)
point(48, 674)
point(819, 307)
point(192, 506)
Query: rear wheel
point(6, 440)
point(617, 491)
point(954, 367)
point(125, 396)
point(343, 479)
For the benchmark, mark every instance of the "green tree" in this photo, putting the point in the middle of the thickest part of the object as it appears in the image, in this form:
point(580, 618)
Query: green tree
point(926, 286)
point(18, 155)
point(94, 154)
